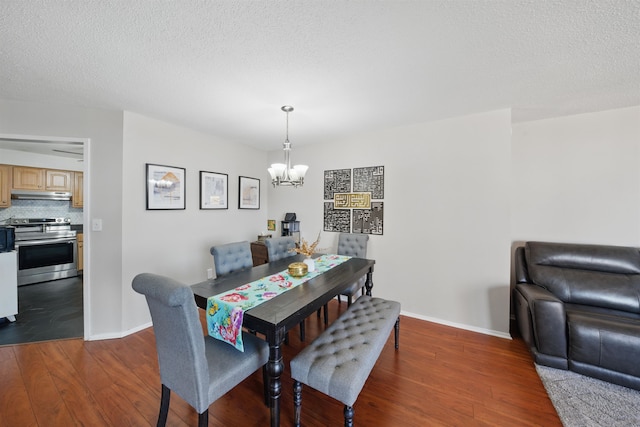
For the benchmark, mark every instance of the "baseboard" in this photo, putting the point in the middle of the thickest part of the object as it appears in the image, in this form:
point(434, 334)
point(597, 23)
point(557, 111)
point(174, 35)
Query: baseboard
point(491, 332)
point(122, 334)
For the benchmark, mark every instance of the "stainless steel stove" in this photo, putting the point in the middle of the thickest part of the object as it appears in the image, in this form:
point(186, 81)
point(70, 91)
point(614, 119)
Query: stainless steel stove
point(47, 249)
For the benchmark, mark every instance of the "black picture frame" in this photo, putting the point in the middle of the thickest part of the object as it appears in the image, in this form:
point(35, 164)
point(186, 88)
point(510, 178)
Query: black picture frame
point(248, 193)
point(165, 187)
point(214, 190)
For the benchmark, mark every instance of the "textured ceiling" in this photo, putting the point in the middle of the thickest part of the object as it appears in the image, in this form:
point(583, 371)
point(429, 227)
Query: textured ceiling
point(226, 67)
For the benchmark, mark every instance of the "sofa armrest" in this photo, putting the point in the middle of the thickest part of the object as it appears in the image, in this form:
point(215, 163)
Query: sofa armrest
point(520, 262)
point(548, 319)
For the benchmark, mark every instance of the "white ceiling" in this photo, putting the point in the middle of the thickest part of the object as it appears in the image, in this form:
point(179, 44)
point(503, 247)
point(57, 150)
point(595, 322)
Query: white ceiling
point(226, 67)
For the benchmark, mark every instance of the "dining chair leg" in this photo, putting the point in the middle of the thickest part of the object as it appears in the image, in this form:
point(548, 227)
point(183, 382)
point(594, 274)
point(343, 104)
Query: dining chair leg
point(326, 314)
point(349, 300)
point(165, 396)
point(297, 402)
point(302, 331)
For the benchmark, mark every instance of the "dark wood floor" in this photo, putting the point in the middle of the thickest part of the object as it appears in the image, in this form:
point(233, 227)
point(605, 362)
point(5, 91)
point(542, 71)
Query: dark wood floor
point(46, 311)
point(440, 376)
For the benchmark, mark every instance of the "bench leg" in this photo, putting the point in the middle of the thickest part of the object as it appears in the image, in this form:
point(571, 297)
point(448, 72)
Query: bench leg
point(297, 402)
point(348, 416)
point(397, 332)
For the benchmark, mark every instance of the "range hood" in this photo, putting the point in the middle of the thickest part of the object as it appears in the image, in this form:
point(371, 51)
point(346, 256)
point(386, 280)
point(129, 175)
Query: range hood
point(40, 195)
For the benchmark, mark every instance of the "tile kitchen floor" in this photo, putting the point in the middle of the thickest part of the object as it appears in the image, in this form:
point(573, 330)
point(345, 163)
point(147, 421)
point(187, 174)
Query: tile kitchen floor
point(46, 311)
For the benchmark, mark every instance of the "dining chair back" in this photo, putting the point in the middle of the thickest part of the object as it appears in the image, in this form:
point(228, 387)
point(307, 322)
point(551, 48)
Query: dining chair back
point(199, 368)
point(231, 257)
point(280, 247)
point(354, 245)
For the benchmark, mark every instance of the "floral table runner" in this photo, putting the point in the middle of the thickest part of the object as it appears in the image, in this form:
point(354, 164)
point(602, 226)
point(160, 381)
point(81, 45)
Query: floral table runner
point(225, 311)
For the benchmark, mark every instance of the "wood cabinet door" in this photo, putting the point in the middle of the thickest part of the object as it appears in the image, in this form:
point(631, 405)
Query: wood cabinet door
point(80, 238)
point(77, 201)
point(57, 180)
point(25, 178)
point(5, 186)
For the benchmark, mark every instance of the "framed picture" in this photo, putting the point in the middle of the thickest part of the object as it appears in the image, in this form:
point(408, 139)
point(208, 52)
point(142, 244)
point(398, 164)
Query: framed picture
point(165, 187)
point(271, 224)
point(214, 190)
point(249, 193)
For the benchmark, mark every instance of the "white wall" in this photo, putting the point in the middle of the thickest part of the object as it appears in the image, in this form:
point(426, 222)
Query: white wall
point(176, 243)
point(577, 179)
point(22, 158)
point(457, 193)
point(445, 250)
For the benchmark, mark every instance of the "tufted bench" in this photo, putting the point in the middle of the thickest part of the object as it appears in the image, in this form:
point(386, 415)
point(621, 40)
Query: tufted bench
point(339, 360)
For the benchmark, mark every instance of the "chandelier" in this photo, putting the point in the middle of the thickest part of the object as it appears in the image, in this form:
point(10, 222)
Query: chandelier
point(282, 174)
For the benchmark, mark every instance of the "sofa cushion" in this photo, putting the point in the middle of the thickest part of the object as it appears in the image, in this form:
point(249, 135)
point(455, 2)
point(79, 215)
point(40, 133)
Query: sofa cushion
point(608, 342)
point(612, 259)
point(595, 275)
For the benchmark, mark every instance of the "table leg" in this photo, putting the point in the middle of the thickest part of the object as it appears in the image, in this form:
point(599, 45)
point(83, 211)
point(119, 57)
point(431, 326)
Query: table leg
point(275, 367)
point(369, 283)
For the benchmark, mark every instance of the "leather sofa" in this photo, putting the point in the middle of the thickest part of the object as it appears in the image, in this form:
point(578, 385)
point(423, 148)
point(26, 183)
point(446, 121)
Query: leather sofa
point(578, 308)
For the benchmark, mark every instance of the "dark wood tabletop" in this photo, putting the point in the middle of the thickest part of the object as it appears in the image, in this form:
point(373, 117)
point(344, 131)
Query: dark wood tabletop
point(275, 317)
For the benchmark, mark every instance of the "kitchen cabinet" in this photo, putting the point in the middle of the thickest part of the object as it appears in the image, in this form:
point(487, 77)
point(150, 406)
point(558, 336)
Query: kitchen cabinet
point(28, 178)
point(25, 178)
point(80, 239)
point(8, 285)
point(57, 180)
point(77, 200)
point(5, 186)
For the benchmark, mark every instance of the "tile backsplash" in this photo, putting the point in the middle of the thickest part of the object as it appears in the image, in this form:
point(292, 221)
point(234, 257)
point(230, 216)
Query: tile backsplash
point(41, 209)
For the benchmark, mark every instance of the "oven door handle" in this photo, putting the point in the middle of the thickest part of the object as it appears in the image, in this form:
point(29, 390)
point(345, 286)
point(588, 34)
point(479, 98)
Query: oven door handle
point(45, 242)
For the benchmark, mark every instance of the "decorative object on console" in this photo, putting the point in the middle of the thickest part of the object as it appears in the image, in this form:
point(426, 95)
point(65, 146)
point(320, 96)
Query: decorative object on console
point(249, 197)
point(290, 227)
point(282, 174)
point(263, 236)
point(165, 187)
point(214, 190)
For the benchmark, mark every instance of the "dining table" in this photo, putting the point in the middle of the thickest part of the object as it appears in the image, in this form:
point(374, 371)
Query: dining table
point(278, 315)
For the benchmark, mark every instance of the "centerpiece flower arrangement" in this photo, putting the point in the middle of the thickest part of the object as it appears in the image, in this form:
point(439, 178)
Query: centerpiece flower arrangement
point(307, 250)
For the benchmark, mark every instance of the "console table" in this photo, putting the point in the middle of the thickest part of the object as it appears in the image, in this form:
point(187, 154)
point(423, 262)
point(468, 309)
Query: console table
point(259, 253)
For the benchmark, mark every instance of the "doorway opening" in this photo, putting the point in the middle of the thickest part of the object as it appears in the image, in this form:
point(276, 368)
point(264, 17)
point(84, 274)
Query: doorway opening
point(59, 308)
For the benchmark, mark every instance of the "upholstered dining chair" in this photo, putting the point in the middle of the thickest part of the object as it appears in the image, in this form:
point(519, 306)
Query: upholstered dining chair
point(280, 247)
point(354, 245)
point(231, 257)
point(199, 368)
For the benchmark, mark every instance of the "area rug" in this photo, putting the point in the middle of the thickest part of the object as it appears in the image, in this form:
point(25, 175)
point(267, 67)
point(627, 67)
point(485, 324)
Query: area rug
point(587, 402)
